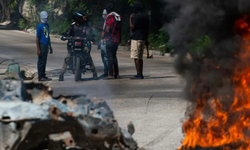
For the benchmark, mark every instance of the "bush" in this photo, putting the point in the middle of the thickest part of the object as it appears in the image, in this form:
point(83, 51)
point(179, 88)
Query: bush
point(199, 45)
point(60, 26)
point(22, 24)
point(159, 41)
point(12, 4)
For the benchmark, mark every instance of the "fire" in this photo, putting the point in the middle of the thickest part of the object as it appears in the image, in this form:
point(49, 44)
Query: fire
point(228, 124)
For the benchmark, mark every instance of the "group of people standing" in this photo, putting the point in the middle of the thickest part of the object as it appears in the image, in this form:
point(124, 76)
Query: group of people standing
point(110, 40)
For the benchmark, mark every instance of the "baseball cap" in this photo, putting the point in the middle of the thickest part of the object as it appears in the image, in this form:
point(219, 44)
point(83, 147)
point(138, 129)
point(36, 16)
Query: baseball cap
point(137, 4)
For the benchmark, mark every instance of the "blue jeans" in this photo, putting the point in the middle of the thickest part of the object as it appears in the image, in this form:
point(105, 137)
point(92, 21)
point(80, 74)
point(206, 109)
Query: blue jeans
point(111, 48)
point(104, 57)
point(42, 60)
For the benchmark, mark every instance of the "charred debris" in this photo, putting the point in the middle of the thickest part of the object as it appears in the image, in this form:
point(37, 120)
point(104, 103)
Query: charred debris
point(32, 119)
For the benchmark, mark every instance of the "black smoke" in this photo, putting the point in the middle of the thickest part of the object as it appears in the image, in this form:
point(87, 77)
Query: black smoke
point(208, 74)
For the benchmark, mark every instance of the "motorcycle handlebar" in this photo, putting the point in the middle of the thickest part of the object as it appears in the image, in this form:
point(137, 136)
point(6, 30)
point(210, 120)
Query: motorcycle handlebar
point(75, 38)
point(64, 38)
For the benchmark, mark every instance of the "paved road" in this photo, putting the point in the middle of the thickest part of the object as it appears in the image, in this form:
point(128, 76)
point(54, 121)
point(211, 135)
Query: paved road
point(154, 104)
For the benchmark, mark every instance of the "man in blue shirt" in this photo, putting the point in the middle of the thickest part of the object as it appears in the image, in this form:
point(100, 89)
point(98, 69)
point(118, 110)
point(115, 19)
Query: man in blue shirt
point(43, 45)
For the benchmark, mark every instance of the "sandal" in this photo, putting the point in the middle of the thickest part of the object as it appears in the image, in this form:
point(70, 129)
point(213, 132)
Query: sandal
point(151, 56)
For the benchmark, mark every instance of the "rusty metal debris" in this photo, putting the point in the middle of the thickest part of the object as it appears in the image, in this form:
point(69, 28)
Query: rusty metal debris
point(32, 119)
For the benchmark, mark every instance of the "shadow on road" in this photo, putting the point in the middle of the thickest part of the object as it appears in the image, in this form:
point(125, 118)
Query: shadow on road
point(146, 77)
point(53, 73)
point(4, 27)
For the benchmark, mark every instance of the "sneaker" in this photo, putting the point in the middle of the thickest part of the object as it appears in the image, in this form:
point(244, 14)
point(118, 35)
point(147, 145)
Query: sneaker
point(44, 79)
point(104, 75)
point(61, 77)
point(138, 77)
point(151, 56)
point(117, 77)
point(109, 77)
point(95, 76)
point(47, 78)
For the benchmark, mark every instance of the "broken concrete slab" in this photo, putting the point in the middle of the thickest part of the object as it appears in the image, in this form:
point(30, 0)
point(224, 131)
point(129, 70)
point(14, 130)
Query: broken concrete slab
point(31, 117)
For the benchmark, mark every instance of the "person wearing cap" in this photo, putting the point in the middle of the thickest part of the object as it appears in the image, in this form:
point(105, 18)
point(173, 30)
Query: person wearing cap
point(43, 46)
point(139, 24)
point(79, 28)
point(111, 34)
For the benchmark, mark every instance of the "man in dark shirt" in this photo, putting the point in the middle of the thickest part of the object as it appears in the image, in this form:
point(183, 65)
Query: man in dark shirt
point(111, 35)
point(139, 24)
point(79, 28)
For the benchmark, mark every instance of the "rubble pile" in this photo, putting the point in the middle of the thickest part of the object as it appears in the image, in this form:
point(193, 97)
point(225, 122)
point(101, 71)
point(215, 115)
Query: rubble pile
point(32, 119)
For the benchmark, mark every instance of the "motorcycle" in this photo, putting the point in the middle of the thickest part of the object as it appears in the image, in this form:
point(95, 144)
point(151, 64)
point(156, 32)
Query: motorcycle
point(79, 57)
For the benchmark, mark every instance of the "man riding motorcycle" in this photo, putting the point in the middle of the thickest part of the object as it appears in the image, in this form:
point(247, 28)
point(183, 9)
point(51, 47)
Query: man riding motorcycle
point(80, 28)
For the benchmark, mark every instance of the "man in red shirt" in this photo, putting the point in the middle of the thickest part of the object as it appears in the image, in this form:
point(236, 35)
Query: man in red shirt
point(111, 34)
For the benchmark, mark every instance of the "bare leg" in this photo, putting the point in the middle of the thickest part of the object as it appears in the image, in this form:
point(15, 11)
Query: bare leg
point(139, 69)
point(141, 66)
point(137, 65)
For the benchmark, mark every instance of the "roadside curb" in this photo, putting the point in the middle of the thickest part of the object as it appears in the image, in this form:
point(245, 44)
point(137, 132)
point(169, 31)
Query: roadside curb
point(3, 27)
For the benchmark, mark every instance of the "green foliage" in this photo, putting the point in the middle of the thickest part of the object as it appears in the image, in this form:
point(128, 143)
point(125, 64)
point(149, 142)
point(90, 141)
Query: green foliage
point(22, 24)
point(76, 5)
point(12, 4)
point(31, 2)
point(159, 41)
point(143, 1)
point(59, 26)
point(199, 45)
point(130, 2)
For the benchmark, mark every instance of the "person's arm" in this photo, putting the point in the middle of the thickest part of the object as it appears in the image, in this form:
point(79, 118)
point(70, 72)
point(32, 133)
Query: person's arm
point(98, 27)
point(103, 34)
point(120, 33)
point(50, 48)
point(148, 22)
point(38, 46)
point(108, 24)
point(90, 32)
point(103, 31)
point(131, 25)
point(38, 34)
point(70, 31)
point(107, 29)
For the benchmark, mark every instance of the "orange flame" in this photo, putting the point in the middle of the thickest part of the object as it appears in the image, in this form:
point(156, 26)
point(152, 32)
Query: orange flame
point(228, 125)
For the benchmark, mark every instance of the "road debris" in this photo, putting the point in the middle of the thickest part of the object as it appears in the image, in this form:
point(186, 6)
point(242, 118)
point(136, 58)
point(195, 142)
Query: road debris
point(32, 119)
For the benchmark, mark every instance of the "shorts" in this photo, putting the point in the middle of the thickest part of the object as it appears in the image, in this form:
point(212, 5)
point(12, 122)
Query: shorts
point(137, 48)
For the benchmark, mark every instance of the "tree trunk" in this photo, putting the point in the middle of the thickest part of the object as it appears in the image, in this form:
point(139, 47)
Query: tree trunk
point(5, 10)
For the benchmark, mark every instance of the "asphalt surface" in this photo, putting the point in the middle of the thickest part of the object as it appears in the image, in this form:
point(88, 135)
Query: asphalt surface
point(154, 104)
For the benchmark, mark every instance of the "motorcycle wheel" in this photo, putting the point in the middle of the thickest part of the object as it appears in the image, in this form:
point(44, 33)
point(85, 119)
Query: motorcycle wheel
point(77, 69)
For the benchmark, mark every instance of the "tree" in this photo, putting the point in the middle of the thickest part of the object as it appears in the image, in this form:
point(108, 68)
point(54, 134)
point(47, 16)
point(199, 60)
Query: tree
point(4, 10)
point(143, 1)
point(7, 7)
